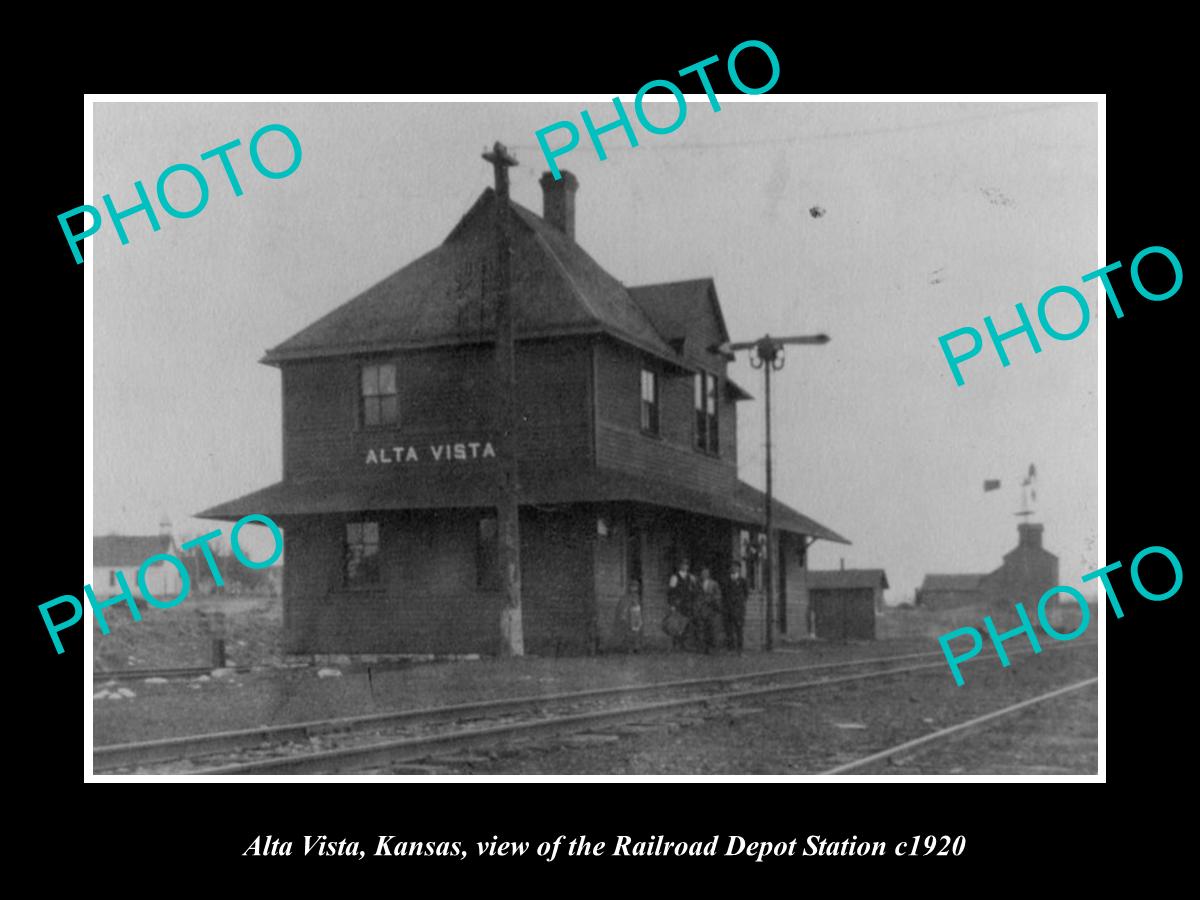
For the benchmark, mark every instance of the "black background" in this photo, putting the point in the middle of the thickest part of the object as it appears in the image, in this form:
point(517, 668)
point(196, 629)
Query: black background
point(1149, 411)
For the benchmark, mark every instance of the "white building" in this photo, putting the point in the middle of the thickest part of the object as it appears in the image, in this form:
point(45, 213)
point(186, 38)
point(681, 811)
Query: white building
point(126, 553)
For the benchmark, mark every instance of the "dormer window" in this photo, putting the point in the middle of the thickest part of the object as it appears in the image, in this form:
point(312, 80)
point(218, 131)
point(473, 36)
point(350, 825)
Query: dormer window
point(379, 402)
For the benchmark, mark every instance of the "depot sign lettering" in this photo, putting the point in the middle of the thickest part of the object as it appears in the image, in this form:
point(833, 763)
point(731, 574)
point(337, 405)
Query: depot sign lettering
point(462, 451)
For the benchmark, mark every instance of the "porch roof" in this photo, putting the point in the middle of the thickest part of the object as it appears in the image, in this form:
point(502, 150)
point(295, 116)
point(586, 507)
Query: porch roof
point(284, 499)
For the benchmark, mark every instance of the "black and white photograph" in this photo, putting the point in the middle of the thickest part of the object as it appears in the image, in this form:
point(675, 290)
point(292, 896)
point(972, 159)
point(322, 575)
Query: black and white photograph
point(516, 438)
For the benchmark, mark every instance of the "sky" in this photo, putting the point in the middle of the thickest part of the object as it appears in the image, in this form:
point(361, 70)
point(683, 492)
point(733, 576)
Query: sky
point(934, 216)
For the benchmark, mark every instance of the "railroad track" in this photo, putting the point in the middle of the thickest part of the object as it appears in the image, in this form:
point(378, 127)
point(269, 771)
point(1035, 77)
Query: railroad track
point(177, 672)
point(923, 743)
point(416, 734)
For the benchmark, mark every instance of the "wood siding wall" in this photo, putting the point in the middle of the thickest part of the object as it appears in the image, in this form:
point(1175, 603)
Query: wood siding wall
point(671, 456)
point(795, 593)
point(428, 601)
point(445, 395)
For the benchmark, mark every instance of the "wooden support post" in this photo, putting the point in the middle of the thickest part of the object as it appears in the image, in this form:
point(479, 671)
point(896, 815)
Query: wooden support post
point(512, 637)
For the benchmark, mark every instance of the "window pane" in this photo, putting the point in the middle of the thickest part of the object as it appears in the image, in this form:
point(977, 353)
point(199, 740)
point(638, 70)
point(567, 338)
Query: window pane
point(633, 555)
point(388, 412)
point(362, 553)
point(370, 381)
point(645, 416)
point(699, 390)
point(370, 410)
point(387, 379)
point(713, 444)
point(712, 394)
point(369, 570)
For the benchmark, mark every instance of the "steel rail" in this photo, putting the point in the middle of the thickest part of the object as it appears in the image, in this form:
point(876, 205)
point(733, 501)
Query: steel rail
point(414, 749)
point(98, 677)
point(165, 749)
point(171, 749)
point(955, 729)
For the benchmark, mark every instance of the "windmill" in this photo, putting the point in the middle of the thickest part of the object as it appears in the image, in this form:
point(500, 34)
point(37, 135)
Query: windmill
point(1028, 493)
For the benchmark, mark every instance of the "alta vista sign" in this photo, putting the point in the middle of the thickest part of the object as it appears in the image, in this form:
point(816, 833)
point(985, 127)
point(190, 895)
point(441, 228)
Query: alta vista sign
point(462, 451)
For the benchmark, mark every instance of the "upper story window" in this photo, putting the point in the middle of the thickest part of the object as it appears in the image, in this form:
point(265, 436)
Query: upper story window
point(379, 403)
point(649, 401)
point(361, 555)
point(706, 412)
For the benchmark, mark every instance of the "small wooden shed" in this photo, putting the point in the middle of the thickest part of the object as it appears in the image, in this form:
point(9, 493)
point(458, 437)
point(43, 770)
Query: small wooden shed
point(843, 603)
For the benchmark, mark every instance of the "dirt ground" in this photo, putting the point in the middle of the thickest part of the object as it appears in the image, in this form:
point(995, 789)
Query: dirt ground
point(281, 695)
point(272, 696)
point(820, 729)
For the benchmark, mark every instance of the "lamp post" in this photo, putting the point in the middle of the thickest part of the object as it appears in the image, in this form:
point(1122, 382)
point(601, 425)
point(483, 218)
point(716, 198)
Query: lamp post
point(768, 356)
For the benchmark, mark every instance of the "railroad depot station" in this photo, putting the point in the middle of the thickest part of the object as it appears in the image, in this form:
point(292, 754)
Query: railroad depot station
point(626, 447)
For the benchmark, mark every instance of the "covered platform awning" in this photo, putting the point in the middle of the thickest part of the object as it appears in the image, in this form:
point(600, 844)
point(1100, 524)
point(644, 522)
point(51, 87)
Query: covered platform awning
point(743, 504)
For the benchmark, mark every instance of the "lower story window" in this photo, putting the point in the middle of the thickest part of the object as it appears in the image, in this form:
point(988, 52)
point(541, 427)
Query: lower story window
point(361, 566)
point(752, 548)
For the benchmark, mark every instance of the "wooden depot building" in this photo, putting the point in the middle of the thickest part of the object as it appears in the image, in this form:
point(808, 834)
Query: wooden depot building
point(626, 446)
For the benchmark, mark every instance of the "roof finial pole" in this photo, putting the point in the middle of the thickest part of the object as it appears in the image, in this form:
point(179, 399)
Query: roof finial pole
point(508, 525)
point(500, 159)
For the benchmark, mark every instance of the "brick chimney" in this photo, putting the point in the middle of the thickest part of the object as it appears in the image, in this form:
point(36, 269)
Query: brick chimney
point(1029, 535)
point(558, 201)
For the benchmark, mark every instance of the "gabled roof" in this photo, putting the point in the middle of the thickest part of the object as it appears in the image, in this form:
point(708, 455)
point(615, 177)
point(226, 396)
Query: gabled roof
point(952, 582)
point(674, 306)
point(846, 578)
point(438, 298)
point(127, 550)
point(567, 485)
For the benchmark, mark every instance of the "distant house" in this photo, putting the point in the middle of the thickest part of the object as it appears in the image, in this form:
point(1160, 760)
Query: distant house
point(843, 603)
point(126, 553)
point(1028, 571)
point(950, 591)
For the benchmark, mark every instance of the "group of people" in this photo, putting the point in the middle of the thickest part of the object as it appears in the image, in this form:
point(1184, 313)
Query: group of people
point(700, 614)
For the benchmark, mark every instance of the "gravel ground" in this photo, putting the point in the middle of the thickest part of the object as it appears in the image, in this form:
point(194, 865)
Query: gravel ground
point(1057, 737)
point(277, 696)
point(182, 636)
point(821, 729)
